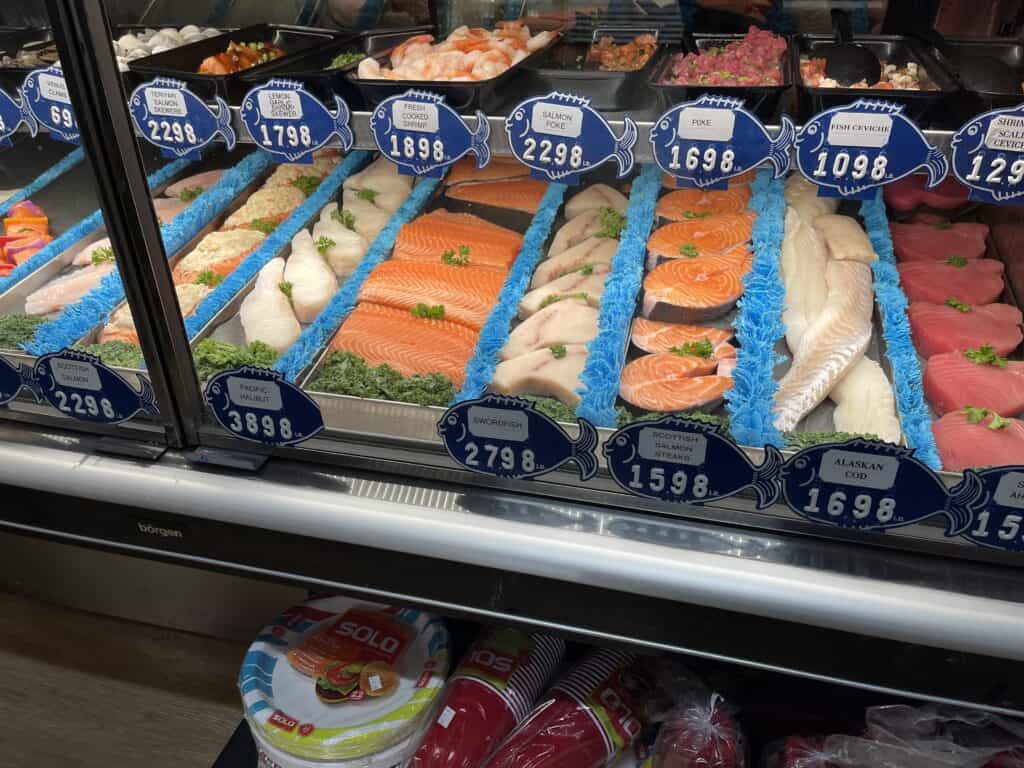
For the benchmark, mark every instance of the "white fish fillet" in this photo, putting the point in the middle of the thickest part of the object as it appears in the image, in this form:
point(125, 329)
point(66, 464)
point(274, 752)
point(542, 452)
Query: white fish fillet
point(594, 198)
point(122, 326)
point(802, 264)
point(369, 219)
point(56, 295)
point(575, 231)
point(381, 177)
point(567, 285)
point(84, 257)
point(865, 403)
point(167, 208)
point(313, 282)
point(596, 250)
point(541, 373)
point(266, 313)
point(845, 239)
point(201, 181)
point(349, 246)
point(803, 195)
point(570, 321)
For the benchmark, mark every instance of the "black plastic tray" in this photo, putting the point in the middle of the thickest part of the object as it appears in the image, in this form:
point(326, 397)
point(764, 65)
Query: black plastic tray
point(1010, 52)
point(559, 71)
point(183, 63)
point(929, 108)
point(486, 95)
point(762, 100)
point(310, 69)
point(20, 39)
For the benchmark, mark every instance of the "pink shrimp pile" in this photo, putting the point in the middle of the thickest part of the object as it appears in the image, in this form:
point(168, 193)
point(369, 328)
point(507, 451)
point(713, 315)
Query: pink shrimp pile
point(467, 54)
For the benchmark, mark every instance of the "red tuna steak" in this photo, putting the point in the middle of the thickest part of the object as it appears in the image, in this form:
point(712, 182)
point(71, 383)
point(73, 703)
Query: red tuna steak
point(936, 242)
point(952, 382)
point(976, 281)
point(939, 328)
point(906, 194)
point(963, 445)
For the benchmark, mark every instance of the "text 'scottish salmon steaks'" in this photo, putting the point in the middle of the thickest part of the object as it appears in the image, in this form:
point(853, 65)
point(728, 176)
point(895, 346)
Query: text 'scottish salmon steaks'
point(468, 294)
point(701, 237)
point(669, 382)
point(499, 169)
point(514, 194)
point(690, 204)
point(694, 290)
point(430, 236)
point(652, 336)
point(386, 335)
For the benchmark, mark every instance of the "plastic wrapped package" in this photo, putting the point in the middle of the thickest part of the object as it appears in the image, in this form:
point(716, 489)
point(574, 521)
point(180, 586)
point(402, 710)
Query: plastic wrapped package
point(700, 732)
point(800, 752)
point(588, 718)
point(490, 693)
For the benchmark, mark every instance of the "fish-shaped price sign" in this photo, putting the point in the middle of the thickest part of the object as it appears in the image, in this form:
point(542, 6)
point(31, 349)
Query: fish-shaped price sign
point(260, 405)
point(706, 142)
point(999, 521)
point(852, 150)
point(12, 380)
point(686, 461)
point(988, 156)
point(291, 124)
point(13, 114)
point(169, 116)
point(46, 94)
point(508, 437)
point(873, 486)
point(422, 135)
point(78, 385)
point(560, 136)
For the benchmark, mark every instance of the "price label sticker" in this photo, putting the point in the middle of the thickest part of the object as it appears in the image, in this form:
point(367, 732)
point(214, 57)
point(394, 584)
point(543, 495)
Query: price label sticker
point(685, 461)
point(988, 156)
point(560, 137)
point(11, 381)
point(45, 94)
point(853, 150)
point(422, 135)
point(508, 437)
point(260, 405)
point(169, 116)
point(79, 386)
point(13, 114)
point(999, 522)
point(706, 142)
point(875, 486)
point(291, 124)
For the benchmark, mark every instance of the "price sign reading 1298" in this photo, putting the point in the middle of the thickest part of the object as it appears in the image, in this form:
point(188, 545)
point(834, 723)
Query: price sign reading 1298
point(988, 156)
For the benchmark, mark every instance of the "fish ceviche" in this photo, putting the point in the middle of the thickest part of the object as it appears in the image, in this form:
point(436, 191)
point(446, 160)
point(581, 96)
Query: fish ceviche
point(466, 54)
point(627, 57)
point(905, 78)
point(756, 59)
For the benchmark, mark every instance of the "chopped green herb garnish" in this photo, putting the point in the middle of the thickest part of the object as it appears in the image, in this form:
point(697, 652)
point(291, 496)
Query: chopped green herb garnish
point(435, 312)
point(558, 351)
point(985, 355)
point(956, 261)
point(346, 59)
point(702, 348)
point(212, 357)
point(943, 225)
point(586, 270)
point(797, 441)
point(612, 223)
point(975, 414)
point(450, 258)
point(324, 244)
point(346, 218)
point(263, 225)
point(102, 256)
point(209, 278)
point(556, 409)
point(367, 194)
point(344, 373)
point(958, 305)
point(307, 184)
point(696, 215)
point(119, 354)
point(190, 193)
point(286, 288)
point(998, 422)
point(689, 250)
point(16, 330)
point(555, 298)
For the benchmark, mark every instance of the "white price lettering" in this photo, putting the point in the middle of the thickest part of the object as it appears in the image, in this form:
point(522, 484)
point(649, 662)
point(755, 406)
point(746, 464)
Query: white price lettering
point(709, 161)
point(857, 166)
point(286, 136)
point(171, 131)
point(677, 483)
point(505, 457)
point(995, 169)
point(267, 425)
point(77, 405)
point(863, 506)
point(421, 149)
point(62, 117)
point(559, 154)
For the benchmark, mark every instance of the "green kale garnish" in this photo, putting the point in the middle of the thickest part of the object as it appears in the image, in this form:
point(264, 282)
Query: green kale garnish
point(16, 330)
point(119, 354)
point(212, 357)
point(797, 441)
point(344, 373)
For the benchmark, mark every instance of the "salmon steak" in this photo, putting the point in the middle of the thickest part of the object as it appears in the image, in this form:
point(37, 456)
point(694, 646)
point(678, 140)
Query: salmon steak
point(952, 382)
point(938, 328)
point(388, 336)
point(499, 169)
point(428, 238)
point(938, 242)
point(652, 336)
point(974, 281)
point(694, 290)
point(669, 382)
point(467, 294)
point(963, 445)
point(689, 204)
point(668, 181)
point(513, 194)
point(701, 237)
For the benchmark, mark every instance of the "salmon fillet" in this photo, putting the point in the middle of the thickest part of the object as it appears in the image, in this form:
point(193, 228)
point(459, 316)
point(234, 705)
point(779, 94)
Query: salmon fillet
point(652, 336)
point(695, 290)
point(670, 382)
point(692, 204)
point(701, 237)
point(384, 335)
point(514, 194)
point(468, 294)
point(427, 238)
point(498, 169)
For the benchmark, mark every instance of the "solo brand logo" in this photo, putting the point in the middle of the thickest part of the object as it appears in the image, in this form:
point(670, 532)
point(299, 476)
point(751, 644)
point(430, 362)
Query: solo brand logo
point(163, 533)
point(385, 644)
point(489, 660)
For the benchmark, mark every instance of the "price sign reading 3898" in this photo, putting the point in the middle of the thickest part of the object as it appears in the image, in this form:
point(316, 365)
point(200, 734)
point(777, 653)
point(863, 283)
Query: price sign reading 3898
point(260, 405)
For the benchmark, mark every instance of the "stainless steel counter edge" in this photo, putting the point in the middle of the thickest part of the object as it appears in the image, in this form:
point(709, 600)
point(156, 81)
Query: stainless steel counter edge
point(898, 612)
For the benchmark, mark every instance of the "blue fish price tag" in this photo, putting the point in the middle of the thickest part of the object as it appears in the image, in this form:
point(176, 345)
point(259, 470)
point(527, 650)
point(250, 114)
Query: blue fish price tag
point(291, 124)
point(422, 135)
point(873, 486)
point(560, 136)
point(706, 142)
point(680, 460)
point(11, 380)
point(14, 113)
point(258, 404)
point(988, 156)
point(852, 150)
point(999, 521)
point(508, 437)
point(78, 385)
point(169, 116)
point(46, 95)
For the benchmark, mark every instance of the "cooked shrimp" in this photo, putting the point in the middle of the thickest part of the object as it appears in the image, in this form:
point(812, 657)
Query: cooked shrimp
point(490, 64)
point(539, 40)
point(417, 44)
point(369, 69)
